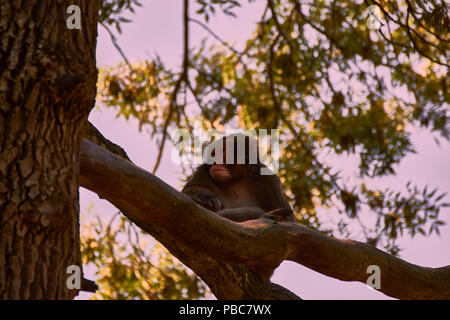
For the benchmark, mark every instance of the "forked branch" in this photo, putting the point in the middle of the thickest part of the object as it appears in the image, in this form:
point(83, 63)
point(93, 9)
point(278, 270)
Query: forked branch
point(176, 221)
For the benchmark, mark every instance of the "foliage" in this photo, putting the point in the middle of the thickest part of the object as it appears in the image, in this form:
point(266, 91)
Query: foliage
point(314, 70)
point(138, 92)
point(112, 12)
point(208, 7)
point(130, 266)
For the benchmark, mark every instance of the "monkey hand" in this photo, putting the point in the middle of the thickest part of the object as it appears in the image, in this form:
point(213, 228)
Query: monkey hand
point(207, 200)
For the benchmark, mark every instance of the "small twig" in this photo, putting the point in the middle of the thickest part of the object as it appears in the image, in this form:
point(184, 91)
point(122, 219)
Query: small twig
point(413, 12)
point(183, 78)
point(119, 49)
point(409, 31)
point(215, 36)
point(420, 51)
point(197, 99)
point(278, 25)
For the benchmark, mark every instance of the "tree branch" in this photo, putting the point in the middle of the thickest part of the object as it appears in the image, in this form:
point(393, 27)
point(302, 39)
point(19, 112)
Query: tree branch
point(183, 78)
point(210, 245)
point(116, 45)
point(93, 134)
point(410, 31)
point(215, 36)
point(227, 280)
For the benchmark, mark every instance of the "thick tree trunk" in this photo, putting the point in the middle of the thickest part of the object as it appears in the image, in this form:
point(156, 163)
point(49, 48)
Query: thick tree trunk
point(47, 87)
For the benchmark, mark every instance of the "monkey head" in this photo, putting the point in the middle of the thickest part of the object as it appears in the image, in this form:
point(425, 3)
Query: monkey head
point(231, 157)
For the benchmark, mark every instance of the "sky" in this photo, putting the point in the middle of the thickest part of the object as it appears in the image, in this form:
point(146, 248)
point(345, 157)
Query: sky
point(157, 30)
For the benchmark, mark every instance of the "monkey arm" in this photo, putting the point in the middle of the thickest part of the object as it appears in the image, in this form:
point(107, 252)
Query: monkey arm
point(200, 181)
point(204, 197)
point(201, 189)
point(241, 214)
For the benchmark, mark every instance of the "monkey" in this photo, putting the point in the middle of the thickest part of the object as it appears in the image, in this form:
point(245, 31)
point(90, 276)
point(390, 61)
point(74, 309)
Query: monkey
point(234, 187)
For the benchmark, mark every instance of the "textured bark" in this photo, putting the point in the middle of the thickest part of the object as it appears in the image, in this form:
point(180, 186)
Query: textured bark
point(96, 137)
point(221, 252)
point(47, 88)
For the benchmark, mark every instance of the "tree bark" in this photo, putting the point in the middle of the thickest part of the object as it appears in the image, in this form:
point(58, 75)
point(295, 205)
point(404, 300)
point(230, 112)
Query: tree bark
point(47, 87)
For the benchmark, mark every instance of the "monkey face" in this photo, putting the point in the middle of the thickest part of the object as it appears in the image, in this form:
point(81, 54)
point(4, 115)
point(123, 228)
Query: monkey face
point(223, 172)
point(220, 173)
point(231, 157)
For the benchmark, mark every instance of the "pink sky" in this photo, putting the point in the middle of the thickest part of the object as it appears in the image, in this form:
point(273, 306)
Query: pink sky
point(156, 28)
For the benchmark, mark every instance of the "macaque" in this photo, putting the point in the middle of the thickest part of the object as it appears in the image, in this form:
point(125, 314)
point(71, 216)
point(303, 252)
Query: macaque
point(232, 185)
